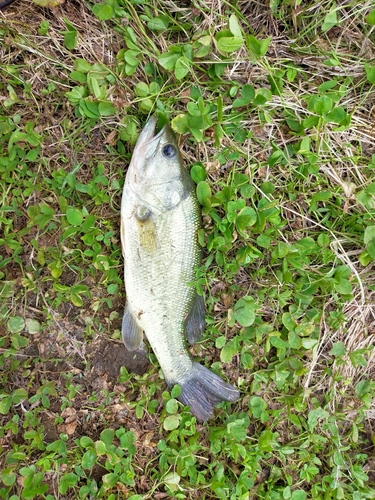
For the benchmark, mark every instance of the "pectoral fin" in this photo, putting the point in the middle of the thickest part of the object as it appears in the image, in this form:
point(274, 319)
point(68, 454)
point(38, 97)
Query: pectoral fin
point(132, 334)
point(195, 322)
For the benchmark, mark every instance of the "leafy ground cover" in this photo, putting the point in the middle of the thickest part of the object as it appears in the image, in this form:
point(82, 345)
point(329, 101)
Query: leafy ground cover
point(274, 103)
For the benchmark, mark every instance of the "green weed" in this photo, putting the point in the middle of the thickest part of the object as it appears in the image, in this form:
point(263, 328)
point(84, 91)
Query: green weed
point(273, 104)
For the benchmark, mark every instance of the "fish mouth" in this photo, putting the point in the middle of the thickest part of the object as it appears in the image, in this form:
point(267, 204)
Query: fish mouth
point(148, 142)
point(147, 136)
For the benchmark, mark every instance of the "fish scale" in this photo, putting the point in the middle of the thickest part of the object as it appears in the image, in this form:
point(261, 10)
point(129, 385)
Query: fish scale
point(160, 219)
point(175, 256)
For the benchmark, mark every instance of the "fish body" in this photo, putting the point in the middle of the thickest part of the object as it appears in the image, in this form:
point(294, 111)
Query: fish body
point(160, 218)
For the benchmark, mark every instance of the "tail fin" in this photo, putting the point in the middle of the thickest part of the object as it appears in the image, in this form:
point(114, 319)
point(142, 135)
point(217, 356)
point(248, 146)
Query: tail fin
point(204, 390)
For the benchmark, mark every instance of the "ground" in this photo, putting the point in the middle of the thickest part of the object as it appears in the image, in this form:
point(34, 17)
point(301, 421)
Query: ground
point(273, 105)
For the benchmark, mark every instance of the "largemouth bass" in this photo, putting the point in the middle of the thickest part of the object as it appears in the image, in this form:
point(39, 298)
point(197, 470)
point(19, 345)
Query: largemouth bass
point(160, 217)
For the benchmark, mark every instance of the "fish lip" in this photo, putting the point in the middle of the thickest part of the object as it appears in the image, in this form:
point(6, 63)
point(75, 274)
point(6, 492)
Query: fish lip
point(147, 136)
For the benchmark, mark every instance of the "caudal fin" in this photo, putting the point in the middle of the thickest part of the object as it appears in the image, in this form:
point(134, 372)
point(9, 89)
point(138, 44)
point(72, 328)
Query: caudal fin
point(204, 390)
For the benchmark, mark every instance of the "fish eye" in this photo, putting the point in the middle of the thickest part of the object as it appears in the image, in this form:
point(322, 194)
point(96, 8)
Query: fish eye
point(169, 151)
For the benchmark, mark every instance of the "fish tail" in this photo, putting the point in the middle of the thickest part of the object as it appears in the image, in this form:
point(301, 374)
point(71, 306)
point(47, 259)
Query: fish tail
point(204, 390)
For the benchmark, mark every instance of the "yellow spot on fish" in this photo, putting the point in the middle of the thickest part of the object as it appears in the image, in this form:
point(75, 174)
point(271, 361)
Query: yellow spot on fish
point(146, 229)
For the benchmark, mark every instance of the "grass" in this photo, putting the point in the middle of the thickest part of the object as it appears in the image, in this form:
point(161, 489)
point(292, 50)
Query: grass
point(274, 104)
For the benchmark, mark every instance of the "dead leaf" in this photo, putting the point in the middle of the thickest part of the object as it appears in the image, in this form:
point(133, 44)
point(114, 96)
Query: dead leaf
point(262, 172)
point(111, 138)
point(212, 166)
point(70, 423)
point(159, 495)
point(146, 438)
point(185, 96)
point(227, 299)
point(124, 490)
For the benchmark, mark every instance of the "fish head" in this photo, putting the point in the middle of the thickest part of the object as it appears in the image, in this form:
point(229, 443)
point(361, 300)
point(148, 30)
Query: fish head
point(156, 172)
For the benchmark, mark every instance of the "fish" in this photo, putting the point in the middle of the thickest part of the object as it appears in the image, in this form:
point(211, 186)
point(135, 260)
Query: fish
point(160, 220)
point(5, 3)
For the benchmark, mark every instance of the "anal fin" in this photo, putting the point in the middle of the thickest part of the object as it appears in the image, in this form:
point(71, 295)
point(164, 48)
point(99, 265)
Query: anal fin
point(132, 333)
point(195, 322)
